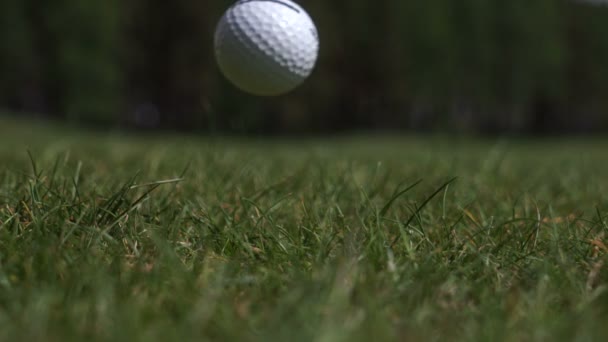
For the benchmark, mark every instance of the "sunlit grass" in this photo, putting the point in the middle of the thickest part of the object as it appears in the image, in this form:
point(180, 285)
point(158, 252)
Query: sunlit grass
point(114, 236)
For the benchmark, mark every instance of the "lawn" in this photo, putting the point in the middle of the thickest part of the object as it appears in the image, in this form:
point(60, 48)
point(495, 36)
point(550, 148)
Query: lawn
point(117, 236)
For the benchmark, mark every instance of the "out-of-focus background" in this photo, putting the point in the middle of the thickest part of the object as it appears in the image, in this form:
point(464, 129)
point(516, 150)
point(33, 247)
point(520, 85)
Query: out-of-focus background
point(479, 66)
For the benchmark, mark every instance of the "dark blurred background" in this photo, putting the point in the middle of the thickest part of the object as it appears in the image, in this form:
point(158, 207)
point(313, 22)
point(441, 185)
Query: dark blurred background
point(479, 66)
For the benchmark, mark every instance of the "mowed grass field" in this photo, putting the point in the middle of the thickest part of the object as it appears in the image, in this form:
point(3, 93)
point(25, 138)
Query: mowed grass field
point(112, 236)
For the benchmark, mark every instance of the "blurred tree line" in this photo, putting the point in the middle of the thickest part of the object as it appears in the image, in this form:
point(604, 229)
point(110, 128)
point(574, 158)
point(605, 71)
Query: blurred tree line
point(466, 65)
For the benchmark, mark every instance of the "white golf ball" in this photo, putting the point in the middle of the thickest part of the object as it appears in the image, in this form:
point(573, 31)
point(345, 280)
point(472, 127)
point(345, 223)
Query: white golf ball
point(266, 47)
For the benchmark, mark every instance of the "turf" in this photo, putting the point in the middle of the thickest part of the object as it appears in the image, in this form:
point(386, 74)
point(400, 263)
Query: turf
point(164, 237)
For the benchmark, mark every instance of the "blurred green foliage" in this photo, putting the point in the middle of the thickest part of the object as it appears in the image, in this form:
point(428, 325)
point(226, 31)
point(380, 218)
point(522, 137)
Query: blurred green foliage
point(467, 65)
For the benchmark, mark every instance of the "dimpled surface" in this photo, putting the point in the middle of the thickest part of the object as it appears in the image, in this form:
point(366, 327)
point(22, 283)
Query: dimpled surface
point(266, 47)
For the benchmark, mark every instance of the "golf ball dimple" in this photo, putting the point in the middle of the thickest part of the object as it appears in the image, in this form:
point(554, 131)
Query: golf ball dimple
point(266, 47)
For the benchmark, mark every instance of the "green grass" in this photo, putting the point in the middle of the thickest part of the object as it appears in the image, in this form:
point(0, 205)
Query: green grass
point(118, 237)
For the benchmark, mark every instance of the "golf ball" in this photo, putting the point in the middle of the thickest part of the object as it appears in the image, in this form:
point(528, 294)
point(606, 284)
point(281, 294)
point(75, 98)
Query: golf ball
point(266, 47)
